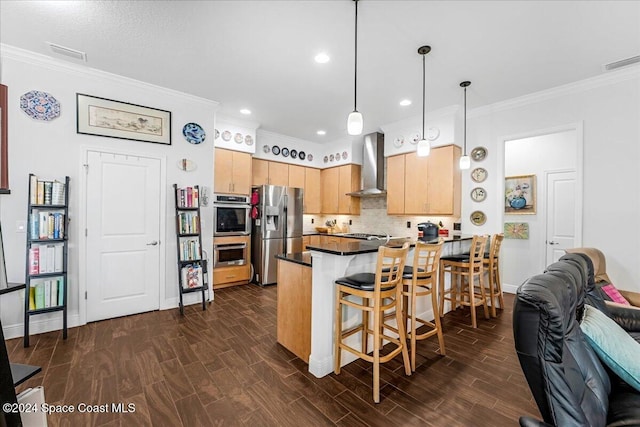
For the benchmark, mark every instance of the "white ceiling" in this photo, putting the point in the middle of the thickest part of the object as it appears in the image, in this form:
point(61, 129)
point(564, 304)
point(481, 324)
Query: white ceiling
point(259, 54)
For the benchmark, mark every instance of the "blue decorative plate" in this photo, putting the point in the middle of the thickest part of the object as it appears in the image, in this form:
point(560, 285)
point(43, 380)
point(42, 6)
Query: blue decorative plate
point(285, 152)
point(40, 105)
point(302, 155)
point(194, 133)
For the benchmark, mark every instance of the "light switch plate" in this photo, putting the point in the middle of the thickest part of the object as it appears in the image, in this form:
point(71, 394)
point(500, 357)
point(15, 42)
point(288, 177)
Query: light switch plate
point(21, 226)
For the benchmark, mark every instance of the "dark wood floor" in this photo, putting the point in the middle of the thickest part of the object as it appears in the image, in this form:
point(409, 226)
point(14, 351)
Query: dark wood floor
point(224, 367)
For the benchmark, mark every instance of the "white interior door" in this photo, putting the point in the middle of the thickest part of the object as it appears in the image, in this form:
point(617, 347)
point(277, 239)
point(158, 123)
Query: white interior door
point(123, 229)
point(561, 214)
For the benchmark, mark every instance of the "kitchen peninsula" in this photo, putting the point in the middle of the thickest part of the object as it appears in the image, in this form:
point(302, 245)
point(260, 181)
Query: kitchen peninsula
point(326, 263)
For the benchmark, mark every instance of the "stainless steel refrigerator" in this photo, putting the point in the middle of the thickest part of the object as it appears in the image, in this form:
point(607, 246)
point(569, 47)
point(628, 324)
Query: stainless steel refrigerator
point(276, 230)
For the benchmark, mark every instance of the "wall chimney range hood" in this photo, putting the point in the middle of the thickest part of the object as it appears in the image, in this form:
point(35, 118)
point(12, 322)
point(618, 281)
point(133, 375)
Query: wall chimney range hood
point(372, 173)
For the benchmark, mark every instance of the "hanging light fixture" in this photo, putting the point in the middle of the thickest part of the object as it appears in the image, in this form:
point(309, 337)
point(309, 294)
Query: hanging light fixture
point(424, 147)
point(465, 160)
point(355, 122)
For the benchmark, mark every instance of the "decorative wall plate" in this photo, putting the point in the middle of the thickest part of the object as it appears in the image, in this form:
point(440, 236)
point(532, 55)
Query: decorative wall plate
point(302, 155)
point(217, 135)
point(479, 174)
point(345, 155)
point(266, 149)
point(226, 135)
point(433, 133)
point(275, 150)
point(398, 141)
point(294, 154)
point(248, 140)
point(478, 194)
point(193, 133)
point(478, 218)
point(187, 165)
point(310, 157)
point(415, 138)
point(238, 138)
point(479, 154)
point(326, 159)
point(285, 152)
point(331, 157)
point(40, 105)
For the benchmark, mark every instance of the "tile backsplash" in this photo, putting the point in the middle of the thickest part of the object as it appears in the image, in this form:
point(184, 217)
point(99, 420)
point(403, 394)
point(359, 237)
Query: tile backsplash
point(373, 219)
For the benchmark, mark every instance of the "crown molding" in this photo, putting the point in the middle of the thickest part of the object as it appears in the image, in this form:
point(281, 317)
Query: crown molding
point(37, 59)
point(609, 78)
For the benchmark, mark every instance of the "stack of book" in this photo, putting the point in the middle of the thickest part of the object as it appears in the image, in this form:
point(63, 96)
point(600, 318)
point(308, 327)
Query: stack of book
point(190, 250)
point(49, 293)
point(45, 259)
point(188, 223)
point(191, 276)
point(46, 225)
point(188, 197)
point(47, 192)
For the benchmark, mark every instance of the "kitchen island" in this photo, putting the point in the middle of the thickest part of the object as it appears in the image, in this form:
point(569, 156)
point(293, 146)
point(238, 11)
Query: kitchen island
point(331, 261)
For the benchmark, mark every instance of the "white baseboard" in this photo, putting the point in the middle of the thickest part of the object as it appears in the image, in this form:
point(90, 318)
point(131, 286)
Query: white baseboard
point(40, 326)
point(510, 289)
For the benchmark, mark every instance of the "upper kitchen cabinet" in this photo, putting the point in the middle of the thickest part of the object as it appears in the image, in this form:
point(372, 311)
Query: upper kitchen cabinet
point(296, 176)
point(232, 172)
point(336, 182)
point(312, 200)
point(270, 173)
point(424, 185)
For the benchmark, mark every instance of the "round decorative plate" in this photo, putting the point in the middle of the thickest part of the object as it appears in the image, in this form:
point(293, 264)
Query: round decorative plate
point(337, 157)
point(302, 155)
point(275, 150)
point(398, 141)
point(248, 140)
point(187, 165)
point(310, 157)
point(217, 134)
point(433, 133)
point(40, 105)
point(478, 194)
point(226, 135)
point(266, 149)
point(331, 157)
point(478, 218)
point(294, 154)
point(285, 152)
point(193, 133)
point(479, 154)
point(345, 155)
point(326, 159)
point(479, 174)
point(238, 138)
point(415, 138)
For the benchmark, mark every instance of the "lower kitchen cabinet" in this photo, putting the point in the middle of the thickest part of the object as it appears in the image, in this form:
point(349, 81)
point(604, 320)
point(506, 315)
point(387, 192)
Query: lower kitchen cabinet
point(232, 275)
point(294, 308)
point(425, 185)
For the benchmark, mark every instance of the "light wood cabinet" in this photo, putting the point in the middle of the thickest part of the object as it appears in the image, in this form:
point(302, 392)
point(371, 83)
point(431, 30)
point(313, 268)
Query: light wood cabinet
point(270, 173)
point(424, 185)
point(296, 177)
point(232, 172)
point(294, 308)
point(336, 182)
point(312, 200)
point(233, 275)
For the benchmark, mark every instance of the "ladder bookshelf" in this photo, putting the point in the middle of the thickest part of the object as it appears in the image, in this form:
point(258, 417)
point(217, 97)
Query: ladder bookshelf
point(192, 267)
point(46, 250)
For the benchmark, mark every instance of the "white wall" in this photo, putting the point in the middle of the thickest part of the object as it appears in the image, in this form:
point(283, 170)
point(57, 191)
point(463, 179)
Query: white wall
point(53, 149)
point(533, 156)
point(608, 108)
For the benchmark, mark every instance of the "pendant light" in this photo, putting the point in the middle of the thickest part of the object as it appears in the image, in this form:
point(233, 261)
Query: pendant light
point(424, 147)
point(355, 122)
point(465, 160)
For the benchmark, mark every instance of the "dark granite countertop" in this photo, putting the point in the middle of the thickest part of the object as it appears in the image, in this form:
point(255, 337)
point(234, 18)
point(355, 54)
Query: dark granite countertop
point(302, 258)
point(368, 246)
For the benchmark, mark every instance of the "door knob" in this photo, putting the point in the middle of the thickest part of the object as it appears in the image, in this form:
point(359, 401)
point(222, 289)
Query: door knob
point(554, 243)
point(154, 243)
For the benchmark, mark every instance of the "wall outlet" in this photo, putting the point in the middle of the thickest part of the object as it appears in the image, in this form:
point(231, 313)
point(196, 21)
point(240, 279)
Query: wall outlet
point(350, 222)
point(408, 224)
point(21, 226)
point(311, 220)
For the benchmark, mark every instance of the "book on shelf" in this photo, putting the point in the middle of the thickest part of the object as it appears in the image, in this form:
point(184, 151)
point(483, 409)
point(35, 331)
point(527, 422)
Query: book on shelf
point(46, 225)
point(192, 276)
point(60, 290)
point(46, 191)
point(46, 259)
point(32, 298)
point(57, 193)
point(188, 223)
point(39, 296)
point(53, 296)
point(190, 250)
point(46, 294)
point(188, 197)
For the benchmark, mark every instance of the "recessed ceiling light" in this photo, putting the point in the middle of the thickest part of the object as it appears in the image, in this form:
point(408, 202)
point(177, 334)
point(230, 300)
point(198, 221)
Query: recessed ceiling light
point(322, 58)
point(405, 102)
point(245, 111)
point(322, 132)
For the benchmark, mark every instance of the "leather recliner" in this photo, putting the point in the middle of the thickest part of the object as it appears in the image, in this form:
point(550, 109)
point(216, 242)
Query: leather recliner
point(569, 383)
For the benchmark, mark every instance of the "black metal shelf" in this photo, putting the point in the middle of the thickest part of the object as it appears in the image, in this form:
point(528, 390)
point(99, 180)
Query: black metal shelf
point(31, 208)
point(200, 261)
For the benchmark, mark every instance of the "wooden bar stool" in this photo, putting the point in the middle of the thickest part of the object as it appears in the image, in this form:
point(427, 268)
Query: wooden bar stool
point(466, 267)
point(421, 280)
point(492, 267)
point(385, 292)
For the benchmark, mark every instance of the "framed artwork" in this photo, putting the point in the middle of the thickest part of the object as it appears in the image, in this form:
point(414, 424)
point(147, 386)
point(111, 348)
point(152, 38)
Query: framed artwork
point(516, 230)
point(4, 134)
point(520, 194)
point(115, 119)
